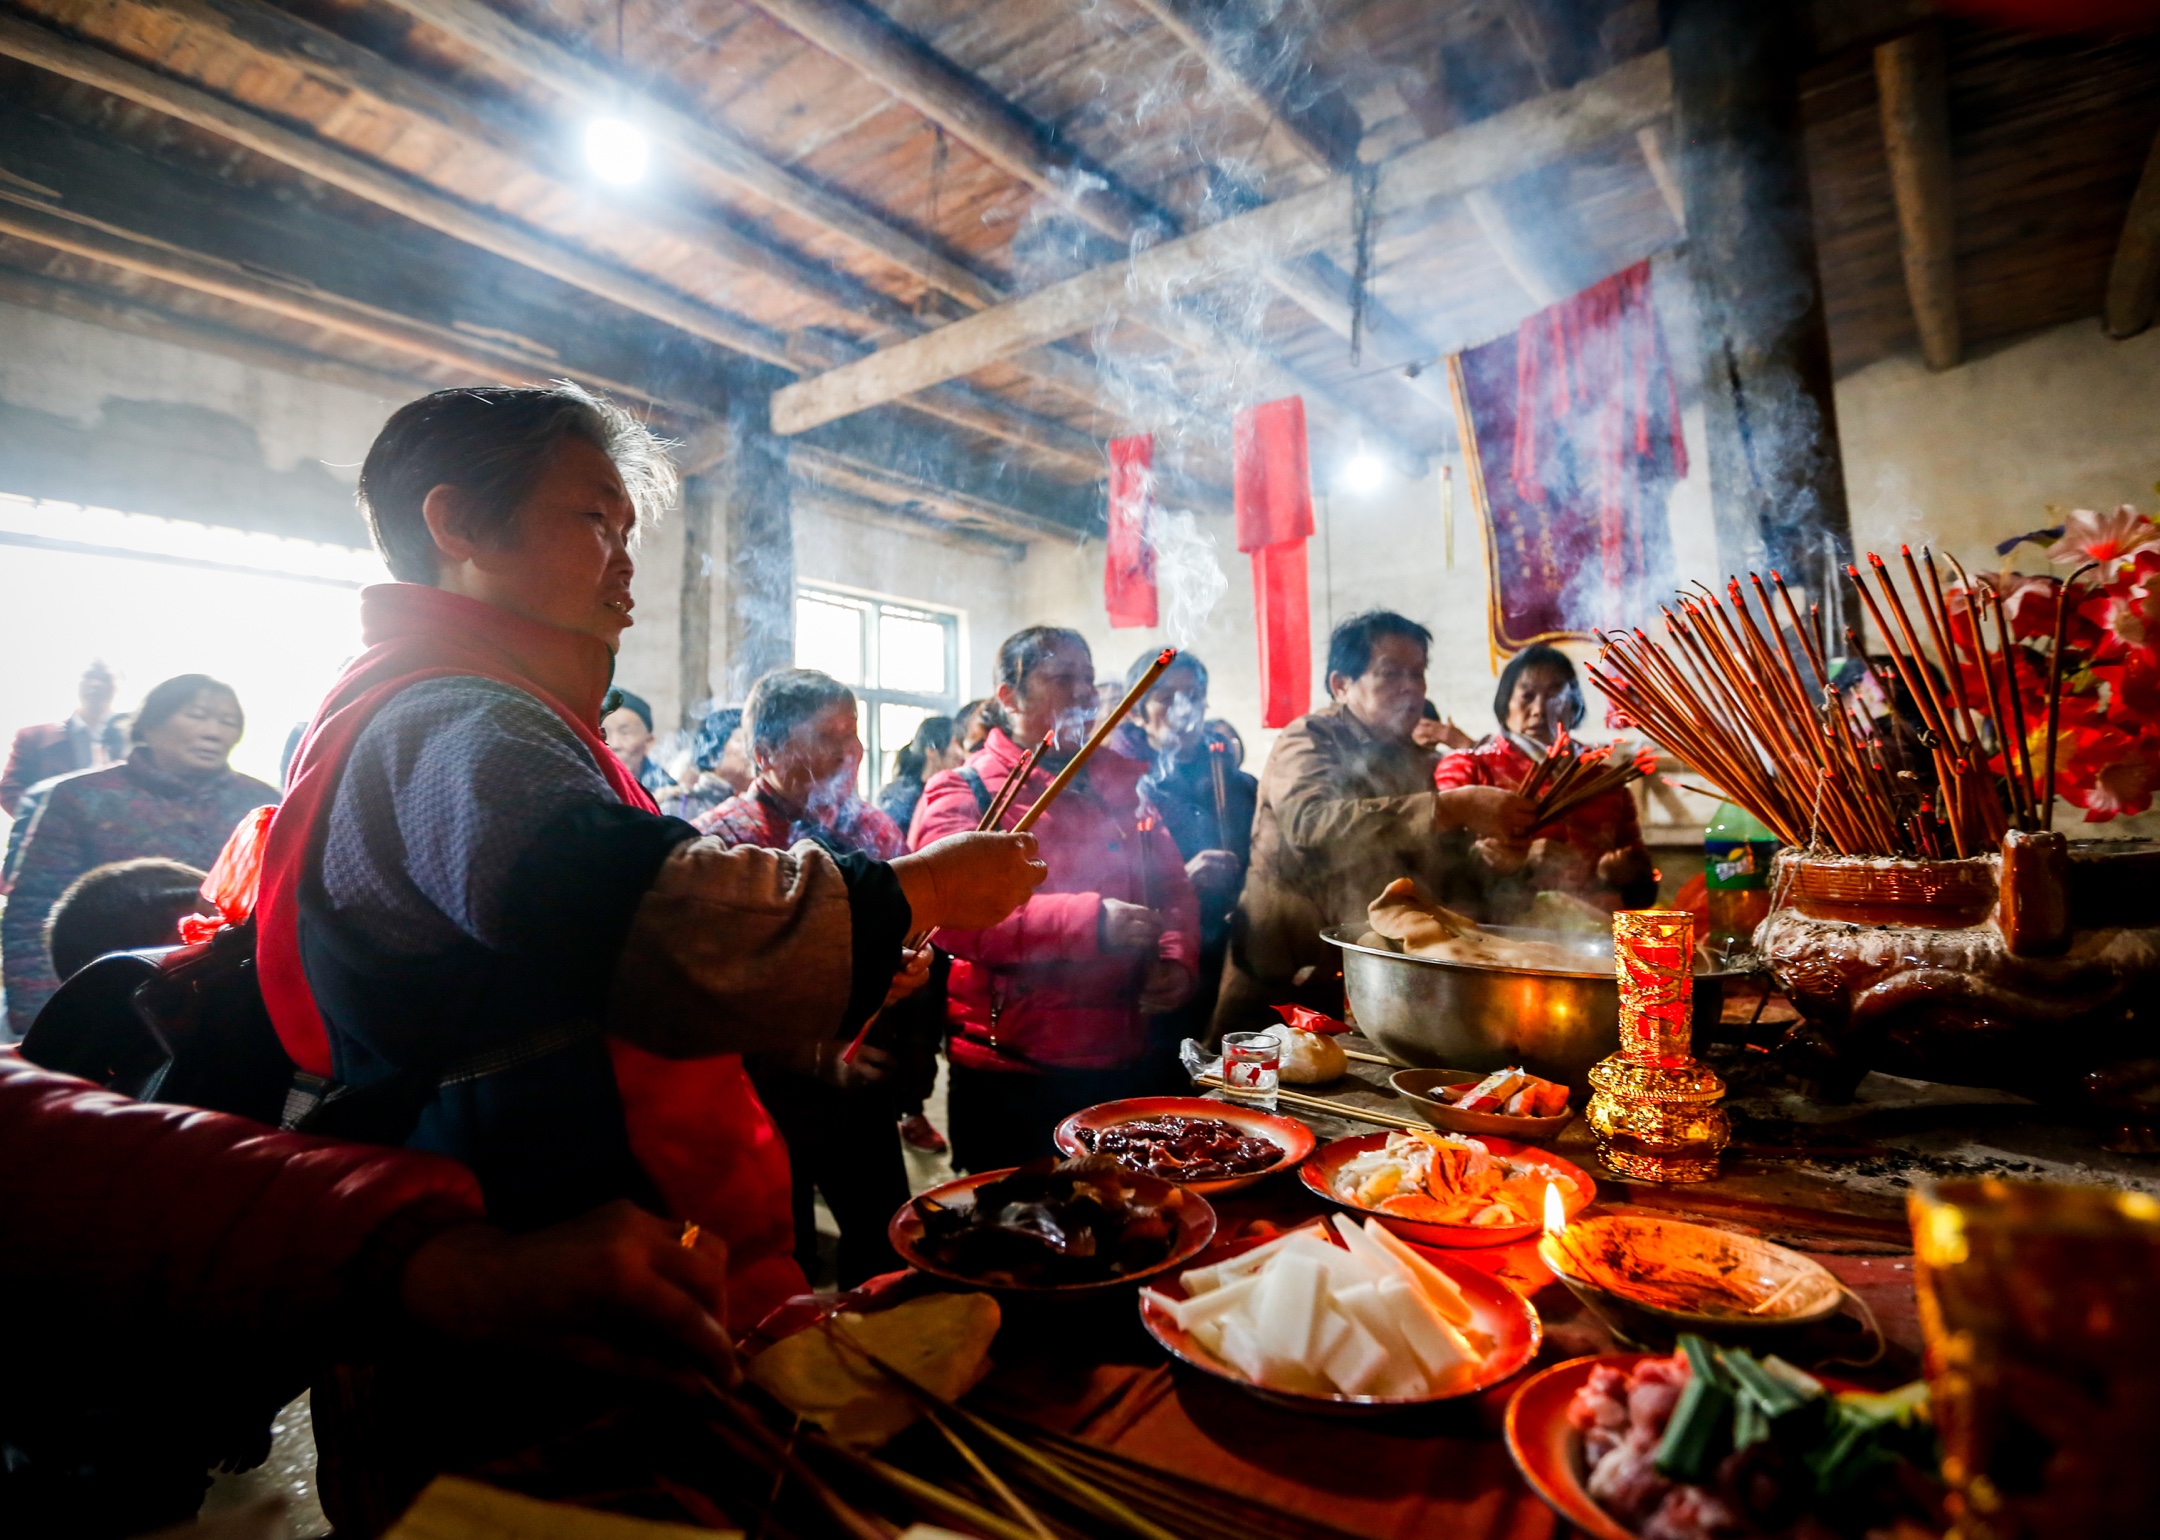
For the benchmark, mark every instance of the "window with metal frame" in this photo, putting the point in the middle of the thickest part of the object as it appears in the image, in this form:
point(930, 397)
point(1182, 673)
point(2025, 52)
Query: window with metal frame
point(902, 661)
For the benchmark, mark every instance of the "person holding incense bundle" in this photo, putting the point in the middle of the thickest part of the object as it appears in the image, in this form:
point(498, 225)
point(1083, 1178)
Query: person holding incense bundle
point(1591, 846)
point(553, 986)
point(1347, 805)
point(837, 1117)
point(1206, 802)
point(1048, 1008)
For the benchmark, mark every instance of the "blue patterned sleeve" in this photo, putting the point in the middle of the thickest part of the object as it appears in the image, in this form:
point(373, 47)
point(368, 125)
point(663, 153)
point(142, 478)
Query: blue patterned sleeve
point(445, 791)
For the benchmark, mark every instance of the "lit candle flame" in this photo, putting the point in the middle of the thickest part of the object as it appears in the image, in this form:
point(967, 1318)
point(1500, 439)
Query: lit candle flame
point(1555, 1209)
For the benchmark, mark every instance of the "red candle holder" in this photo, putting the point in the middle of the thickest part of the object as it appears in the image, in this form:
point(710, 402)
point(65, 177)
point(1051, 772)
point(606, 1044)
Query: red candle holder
point(1654, 1106)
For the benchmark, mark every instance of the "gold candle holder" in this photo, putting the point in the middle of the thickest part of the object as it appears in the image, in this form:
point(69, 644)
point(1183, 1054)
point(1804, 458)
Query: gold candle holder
point(1654, 1105)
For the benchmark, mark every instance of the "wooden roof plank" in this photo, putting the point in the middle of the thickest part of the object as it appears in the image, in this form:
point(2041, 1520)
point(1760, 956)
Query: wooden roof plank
point(1498, 147)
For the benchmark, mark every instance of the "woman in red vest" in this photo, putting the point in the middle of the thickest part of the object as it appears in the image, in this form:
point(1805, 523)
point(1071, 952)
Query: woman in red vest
point(1596, 852)
point(474, 929)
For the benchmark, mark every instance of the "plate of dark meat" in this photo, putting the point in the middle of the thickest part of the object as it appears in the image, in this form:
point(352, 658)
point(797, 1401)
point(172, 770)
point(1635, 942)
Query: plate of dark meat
point(1053, 1227)
point(1204, 1146)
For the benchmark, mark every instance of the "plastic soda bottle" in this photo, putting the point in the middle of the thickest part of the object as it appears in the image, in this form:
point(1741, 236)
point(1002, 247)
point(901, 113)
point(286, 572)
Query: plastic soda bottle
point(1736, 871)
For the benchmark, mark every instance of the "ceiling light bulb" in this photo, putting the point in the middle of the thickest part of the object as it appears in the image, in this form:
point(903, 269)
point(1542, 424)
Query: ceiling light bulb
point(1364, 473)
point(617, 151)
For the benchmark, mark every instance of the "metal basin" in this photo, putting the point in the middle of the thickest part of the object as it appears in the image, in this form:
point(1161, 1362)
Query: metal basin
point(1455, 1015)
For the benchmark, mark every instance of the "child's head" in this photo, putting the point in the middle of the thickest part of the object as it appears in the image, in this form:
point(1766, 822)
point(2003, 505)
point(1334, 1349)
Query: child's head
point(120, 907)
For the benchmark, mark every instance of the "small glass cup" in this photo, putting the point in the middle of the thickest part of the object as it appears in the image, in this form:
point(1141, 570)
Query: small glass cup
point(1252, 1067)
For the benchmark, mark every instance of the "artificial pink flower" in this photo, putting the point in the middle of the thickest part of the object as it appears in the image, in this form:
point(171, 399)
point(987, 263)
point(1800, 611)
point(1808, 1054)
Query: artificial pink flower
point(2120, 790)
point(2134, 613)
point(2103, 537)
point(2028, 603)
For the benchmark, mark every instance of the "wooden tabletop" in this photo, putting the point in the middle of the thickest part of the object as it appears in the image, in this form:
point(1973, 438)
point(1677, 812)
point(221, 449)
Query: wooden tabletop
point(1097, 1375)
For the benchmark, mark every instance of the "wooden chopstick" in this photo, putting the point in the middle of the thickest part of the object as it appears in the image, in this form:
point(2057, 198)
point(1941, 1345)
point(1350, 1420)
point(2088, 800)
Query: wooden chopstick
point(1331, 1108)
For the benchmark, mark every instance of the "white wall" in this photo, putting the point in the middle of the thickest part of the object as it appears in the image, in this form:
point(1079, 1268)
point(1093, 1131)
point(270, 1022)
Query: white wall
point(101, 417)
point(2065, 418)
point(835, 545)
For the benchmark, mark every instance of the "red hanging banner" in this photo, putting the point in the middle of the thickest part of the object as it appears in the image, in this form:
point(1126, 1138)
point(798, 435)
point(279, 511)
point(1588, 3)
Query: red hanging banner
point(1272, 480)
point(1129, 563)
point(1282, 615)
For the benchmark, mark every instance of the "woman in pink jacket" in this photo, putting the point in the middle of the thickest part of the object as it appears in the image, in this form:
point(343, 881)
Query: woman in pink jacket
point(1047, 1008)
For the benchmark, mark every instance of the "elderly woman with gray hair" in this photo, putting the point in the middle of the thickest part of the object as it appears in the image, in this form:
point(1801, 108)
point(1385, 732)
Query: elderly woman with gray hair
point(176, 795)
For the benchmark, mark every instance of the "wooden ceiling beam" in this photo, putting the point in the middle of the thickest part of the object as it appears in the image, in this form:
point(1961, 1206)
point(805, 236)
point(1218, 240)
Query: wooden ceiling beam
point(1912, 80)
point(125, 313)
point(862, 38)
point(802, 353)
point(1324, 134)
point(495, 36)
point(2133, 287)
point(1323, 131)
point(1508, 144)
point(258, 289)
point(350, 71)
point(64, 56)
point(741, 165)
point(866, 477)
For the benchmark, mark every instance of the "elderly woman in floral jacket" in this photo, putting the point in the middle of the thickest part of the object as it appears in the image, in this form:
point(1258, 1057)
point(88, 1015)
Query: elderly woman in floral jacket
point(176, 795)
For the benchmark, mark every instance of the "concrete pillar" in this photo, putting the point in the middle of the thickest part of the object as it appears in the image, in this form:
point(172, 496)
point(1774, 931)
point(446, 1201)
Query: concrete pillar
point(753, 526)
point(694, 618)
point(1777, 480)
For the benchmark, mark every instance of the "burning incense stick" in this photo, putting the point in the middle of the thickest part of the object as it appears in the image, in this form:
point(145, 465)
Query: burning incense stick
point(1745, 707)
point(2054, 697)
point(1218, 754)
point(1078, 762)
point(987, 822)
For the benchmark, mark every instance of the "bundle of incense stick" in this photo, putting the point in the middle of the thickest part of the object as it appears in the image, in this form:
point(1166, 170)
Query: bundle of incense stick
point(1730, 698)
point(1014, 782)
point(1568, 777)
point(1077, 1488)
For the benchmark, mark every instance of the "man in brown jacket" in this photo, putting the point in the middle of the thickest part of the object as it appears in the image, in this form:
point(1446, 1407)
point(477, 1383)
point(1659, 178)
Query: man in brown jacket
point(1347, 805)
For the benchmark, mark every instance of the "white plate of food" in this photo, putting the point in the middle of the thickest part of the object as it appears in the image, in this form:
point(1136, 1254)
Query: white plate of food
point(1446, 1189)
point(1342, 1316)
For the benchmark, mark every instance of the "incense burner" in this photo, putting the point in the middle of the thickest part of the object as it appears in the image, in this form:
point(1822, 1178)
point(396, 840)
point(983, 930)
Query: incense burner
point(1905, 966)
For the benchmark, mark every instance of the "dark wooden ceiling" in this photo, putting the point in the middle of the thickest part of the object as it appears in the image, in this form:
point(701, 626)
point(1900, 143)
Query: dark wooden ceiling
point(2048, 138)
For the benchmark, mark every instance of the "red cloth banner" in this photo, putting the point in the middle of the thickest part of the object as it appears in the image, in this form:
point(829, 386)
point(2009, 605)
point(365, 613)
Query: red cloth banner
point(1128, 578)
point(1282, 615)
point(1272, 480)
point(1571, 427)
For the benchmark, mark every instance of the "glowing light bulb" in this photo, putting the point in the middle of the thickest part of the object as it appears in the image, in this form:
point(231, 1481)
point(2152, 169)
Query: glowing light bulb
point(1364, 472)
point(617, 151)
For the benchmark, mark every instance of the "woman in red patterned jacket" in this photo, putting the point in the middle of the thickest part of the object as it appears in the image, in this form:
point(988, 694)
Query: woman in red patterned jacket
point(1595, 852)
point(1047, 1007)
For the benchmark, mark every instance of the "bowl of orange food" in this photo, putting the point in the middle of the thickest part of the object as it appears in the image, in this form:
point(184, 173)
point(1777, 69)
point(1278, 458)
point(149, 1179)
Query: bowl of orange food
point(1446, 1189)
